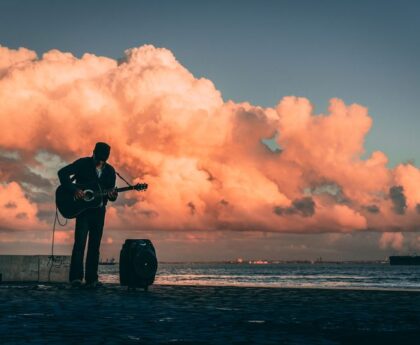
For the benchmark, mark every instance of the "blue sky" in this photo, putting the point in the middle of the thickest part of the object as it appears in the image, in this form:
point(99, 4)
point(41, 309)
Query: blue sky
point(257, 51)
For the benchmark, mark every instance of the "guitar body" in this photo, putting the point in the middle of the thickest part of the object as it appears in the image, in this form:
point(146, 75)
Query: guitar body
point(70, 207)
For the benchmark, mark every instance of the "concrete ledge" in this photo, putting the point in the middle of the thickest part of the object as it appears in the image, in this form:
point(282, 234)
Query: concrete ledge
point(34, 268)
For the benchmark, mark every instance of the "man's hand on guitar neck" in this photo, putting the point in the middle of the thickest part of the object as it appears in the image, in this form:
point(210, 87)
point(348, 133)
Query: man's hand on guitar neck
point(79, 194)
point(112, 195)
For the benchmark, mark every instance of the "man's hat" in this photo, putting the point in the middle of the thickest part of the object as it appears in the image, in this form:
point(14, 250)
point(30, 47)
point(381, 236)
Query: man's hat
point(102, 151)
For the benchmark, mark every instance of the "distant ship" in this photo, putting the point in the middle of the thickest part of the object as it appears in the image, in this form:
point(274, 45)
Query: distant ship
point(404, 260)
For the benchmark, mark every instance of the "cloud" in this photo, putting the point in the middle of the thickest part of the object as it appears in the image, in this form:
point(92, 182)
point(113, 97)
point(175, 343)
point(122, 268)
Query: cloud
point(12, 57)
point(393, 240)
point(398, 198)
point(14, 170)
point(211, 165)
point(16, 211)
point(407, 176)
point(304, 207)
point(372, 208)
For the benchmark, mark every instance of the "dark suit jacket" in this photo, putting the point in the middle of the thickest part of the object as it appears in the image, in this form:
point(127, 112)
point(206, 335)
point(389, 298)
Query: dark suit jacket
point(84, 171)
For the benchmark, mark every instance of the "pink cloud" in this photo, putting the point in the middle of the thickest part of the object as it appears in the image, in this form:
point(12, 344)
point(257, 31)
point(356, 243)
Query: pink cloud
point(393, 240)
point(11, 57)
point(16, 211)
point(202, 157)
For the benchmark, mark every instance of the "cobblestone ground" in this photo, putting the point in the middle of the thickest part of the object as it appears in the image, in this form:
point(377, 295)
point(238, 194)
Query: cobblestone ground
point(57, 314)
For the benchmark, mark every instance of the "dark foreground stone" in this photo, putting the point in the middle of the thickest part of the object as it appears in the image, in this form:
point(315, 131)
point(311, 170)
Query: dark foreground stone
point(56, 314)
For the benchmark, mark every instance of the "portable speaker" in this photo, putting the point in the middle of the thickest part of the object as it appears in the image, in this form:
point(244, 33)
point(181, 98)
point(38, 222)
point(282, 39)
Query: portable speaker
point(138, 263)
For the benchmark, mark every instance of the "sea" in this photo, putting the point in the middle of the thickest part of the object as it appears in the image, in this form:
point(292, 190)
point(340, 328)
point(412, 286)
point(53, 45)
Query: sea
point(282, 275)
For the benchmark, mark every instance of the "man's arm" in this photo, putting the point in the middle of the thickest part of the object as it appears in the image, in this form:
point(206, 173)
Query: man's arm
point(112, 196)
point(65, 173)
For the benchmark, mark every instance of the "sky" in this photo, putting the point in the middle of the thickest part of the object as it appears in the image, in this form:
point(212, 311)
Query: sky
point(203, 83)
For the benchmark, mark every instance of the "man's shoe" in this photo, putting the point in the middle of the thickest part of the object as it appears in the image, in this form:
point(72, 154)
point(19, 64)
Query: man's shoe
point(75, 283)
point(93, 285)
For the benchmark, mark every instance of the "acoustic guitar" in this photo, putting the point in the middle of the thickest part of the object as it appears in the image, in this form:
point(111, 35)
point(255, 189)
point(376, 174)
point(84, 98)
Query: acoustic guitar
point(70, 207)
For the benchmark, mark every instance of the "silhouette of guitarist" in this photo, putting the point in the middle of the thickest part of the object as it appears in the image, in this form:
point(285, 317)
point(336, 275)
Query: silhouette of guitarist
point(86, 170)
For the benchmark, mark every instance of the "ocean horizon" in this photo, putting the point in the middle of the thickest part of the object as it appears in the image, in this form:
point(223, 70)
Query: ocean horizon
point(282, 275)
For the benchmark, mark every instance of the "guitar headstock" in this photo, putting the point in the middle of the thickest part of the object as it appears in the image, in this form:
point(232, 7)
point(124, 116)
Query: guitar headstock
point(140, 186)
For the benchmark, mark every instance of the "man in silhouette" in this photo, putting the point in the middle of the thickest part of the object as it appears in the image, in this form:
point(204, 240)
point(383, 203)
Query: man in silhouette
point(85, 170)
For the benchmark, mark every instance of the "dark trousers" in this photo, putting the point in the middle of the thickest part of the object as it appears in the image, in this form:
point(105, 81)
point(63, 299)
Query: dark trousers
point(90, 221)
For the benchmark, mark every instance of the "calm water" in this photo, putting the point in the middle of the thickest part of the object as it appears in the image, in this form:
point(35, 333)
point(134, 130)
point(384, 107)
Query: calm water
point(382, 276)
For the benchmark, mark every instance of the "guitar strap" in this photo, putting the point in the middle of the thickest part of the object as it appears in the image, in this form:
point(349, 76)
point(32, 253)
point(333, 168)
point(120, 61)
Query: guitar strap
point(122, 178)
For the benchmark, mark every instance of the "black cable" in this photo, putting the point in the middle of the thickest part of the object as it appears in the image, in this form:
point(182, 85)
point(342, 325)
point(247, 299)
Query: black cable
point(56, 219)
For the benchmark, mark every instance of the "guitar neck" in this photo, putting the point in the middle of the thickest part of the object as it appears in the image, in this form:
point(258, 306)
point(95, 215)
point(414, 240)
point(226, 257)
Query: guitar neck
point(122, 189)
point(138, 187)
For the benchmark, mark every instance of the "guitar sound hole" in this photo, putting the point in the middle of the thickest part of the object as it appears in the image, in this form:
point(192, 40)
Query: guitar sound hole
point(89, 196)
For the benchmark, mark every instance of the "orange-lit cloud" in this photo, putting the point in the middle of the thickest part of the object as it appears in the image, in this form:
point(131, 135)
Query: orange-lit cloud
point(203, 158)
point(16, 211)
point(393, 240)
